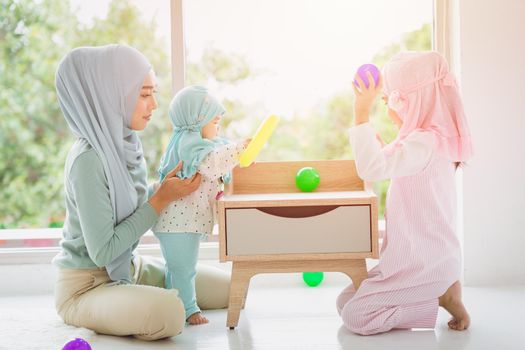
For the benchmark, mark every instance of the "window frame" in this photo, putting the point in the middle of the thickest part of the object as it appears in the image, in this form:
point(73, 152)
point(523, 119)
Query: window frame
point(44, 255)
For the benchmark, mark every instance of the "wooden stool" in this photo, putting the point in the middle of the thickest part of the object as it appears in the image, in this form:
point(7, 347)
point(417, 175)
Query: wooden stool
point(266, 225)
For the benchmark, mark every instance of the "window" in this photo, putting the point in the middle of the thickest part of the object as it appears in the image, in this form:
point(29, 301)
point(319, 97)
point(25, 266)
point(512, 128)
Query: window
point(35, 139)
point(294, 58)
point(297, 59)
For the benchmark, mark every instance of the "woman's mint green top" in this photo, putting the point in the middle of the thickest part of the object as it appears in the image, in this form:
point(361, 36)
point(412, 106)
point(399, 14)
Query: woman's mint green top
point(90, 238)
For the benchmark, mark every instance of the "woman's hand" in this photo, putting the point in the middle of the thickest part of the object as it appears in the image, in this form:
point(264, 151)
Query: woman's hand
point(364, 97)
point(173, 188)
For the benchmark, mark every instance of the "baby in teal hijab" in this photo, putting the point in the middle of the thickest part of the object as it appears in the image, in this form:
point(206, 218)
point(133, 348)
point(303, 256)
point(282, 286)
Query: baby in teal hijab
point(195, 116)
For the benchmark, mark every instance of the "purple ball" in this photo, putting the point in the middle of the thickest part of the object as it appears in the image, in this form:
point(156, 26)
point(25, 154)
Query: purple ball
point(77, 344)
point(362, 74)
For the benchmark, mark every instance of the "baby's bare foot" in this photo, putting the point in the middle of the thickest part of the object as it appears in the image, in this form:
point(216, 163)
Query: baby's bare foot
point(451, 301)
point(197, 318)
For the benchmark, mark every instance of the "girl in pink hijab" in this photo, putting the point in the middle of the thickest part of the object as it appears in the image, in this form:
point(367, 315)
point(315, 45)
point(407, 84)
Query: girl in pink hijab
point(420, 259)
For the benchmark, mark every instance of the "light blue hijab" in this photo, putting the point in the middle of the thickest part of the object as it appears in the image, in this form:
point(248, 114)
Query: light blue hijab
point(191, 109)
point(97, 89)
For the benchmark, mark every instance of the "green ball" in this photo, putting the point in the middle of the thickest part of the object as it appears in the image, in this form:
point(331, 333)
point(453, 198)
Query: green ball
point(313, 278)
point(307, 179)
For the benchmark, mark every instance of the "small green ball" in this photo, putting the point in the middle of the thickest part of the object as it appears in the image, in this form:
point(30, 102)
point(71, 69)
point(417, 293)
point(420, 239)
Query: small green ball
point(313, 278)
point(307, 179)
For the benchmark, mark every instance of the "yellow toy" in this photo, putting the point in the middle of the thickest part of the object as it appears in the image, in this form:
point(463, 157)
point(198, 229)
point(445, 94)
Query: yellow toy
point(258, 141)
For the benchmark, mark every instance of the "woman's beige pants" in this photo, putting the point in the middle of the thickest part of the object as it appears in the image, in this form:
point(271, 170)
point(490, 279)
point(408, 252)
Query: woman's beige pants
point(145, 310)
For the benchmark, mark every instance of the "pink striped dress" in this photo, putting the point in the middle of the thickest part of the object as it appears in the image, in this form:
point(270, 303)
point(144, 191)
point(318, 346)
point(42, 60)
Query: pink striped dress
point(420, 256)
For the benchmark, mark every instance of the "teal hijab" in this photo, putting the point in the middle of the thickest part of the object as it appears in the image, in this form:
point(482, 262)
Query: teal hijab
point(191, 109)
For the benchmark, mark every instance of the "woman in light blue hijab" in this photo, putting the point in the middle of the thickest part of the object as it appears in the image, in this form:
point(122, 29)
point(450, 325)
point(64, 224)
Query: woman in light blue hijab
point(106, 95)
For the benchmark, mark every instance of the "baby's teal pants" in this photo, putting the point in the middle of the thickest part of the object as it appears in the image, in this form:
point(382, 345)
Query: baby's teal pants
point(181, 250)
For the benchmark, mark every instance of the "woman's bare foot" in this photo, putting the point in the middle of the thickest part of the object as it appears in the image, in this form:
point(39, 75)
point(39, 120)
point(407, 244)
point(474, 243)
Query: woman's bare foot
point(197, 318)
point(451, 301)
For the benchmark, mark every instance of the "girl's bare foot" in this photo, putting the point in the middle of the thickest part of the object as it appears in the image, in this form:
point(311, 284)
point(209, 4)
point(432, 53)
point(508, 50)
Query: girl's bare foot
point(451, 301)
point(197, 318)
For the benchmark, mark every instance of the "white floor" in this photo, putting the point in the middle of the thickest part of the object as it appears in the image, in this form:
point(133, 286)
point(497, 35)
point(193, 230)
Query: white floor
point(287, 316)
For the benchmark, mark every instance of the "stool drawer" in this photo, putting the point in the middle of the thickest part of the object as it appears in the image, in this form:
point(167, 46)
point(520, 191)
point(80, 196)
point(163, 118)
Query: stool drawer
point(298, 230)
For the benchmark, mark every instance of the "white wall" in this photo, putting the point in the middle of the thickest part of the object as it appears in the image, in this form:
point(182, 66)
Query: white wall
point(492, 74)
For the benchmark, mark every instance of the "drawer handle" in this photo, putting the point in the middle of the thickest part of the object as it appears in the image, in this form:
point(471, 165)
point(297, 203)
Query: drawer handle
point(298, 212)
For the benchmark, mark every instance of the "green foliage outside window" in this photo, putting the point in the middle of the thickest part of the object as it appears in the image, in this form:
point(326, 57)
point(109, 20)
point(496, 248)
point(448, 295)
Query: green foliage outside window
point(34, 138)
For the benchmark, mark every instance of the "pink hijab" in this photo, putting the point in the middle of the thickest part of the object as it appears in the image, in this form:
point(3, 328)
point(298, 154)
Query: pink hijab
point(425, 95)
